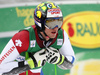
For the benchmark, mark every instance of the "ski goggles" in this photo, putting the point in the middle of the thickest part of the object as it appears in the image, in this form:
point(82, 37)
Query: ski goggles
point(52, 23)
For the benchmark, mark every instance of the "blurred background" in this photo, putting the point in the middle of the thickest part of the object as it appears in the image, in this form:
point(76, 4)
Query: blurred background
point(81, 22)
point(22, 1)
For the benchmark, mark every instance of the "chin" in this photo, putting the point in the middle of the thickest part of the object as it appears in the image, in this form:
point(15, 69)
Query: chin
point(53, 37)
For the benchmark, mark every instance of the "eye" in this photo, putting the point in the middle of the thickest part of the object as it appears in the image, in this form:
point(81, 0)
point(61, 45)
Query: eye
point(49, 5)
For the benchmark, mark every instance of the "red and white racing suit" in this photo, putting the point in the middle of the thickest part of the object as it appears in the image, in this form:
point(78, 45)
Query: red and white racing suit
point(20, 43)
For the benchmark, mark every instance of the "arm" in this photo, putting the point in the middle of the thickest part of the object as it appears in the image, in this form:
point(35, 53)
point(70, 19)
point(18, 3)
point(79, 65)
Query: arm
point(8, 56)
point(10, 53)
point(36, 60)
point(64, 57)
point(20, 43)
point(68, 53)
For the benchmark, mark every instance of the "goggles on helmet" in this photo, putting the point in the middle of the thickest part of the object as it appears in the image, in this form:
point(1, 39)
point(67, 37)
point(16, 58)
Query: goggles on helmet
point(51, 23)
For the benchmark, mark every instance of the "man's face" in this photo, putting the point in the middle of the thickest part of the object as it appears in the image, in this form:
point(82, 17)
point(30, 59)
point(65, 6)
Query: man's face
point(51, 32)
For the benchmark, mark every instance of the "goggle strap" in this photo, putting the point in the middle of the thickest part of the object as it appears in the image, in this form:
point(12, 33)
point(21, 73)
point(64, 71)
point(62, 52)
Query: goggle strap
point(45, 33)
point(47, 27)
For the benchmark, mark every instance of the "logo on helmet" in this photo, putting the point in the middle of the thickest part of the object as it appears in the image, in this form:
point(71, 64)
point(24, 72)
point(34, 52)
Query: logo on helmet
point(54, 13)
point(38, 14)
point(46, 5)
point(51, 5)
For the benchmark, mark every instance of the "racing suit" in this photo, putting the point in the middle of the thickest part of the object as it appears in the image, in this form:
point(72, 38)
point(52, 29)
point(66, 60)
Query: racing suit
point(28, 40)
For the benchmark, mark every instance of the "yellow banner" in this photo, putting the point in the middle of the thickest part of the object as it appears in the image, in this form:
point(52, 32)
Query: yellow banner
point(83, 29)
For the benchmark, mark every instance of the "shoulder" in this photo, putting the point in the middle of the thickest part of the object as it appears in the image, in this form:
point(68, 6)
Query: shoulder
point(23, 38)
point(21, 34)
point(63, 32)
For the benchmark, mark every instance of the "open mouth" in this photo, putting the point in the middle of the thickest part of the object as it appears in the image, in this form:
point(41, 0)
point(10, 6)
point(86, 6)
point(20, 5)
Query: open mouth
point(53, 32)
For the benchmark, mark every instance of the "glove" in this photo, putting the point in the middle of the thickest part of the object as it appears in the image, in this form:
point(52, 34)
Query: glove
point(38, 59)
point(54, 57)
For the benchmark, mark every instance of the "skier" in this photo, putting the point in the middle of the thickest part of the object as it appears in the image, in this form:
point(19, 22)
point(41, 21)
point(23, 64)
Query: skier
point(30, 48)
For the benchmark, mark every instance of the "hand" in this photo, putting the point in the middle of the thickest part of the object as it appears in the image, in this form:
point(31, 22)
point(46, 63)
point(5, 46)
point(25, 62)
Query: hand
point(54, 57)
point(38, 59)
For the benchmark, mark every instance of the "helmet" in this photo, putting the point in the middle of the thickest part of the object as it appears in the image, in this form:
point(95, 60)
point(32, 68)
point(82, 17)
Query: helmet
point(48, 14)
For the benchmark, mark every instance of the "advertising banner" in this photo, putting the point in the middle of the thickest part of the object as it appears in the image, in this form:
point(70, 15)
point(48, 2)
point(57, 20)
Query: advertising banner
point(82, 24)
point(15, 18)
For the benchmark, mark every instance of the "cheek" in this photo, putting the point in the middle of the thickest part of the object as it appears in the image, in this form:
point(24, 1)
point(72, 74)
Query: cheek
point(48, 32)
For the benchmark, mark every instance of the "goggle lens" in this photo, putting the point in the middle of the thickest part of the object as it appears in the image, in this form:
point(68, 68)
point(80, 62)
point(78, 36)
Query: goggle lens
point(51, 23)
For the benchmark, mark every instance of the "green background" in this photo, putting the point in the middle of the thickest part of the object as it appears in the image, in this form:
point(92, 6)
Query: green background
point(10, 21)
